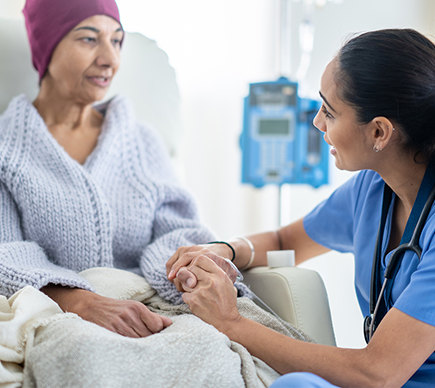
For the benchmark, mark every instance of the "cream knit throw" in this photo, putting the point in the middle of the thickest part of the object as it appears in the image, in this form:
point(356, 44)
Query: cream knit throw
point(60, 352)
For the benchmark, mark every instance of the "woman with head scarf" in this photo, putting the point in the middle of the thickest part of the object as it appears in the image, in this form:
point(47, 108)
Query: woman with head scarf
point(85, 185)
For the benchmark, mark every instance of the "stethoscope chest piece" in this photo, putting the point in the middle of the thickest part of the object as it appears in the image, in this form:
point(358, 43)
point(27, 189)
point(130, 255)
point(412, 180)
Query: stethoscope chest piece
point(367, 323)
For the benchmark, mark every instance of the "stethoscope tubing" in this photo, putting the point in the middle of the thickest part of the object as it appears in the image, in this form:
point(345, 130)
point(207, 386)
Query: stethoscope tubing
point(378, 303)
point(412, 245)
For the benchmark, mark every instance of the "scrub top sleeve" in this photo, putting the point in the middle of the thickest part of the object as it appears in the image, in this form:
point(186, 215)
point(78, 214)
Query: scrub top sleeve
point(331, 223)
point(417, 299)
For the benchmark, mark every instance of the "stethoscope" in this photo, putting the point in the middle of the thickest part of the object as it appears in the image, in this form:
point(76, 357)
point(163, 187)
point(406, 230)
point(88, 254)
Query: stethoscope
point(415, 224)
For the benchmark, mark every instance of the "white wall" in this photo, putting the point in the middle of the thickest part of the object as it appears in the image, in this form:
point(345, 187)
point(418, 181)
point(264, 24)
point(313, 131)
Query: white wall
point(217, 48)
point(11, 8)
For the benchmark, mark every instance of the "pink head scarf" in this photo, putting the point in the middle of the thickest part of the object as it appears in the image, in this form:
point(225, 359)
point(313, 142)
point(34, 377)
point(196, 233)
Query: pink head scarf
point(48, 21)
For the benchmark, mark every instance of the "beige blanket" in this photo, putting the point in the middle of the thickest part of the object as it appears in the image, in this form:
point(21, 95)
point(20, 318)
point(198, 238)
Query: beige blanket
point(62, 350)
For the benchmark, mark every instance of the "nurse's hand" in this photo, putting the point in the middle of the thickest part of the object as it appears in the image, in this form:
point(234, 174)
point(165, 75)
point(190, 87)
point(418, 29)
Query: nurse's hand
point(185, 256)
point(126, 317)
point(214, 298)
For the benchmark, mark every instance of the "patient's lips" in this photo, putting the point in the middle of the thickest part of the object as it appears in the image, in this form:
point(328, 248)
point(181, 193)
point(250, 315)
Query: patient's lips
point(100, 81)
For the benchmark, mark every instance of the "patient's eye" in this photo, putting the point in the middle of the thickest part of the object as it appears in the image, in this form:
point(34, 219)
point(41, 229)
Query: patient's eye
point(88, 39)
point(116, 42)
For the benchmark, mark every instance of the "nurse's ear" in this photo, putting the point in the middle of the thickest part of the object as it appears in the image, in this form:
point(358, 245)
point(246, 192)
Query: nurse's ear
point(382, 132)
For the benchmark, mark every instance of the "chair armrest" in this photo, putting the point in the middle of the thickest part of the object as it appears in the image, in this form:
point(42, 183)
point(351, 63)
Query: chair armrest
point(298, 296)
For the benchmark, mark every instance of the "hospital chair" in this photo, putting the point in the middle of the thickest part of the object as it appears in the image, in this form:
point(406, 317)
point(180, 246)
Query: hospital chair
point(297, 295)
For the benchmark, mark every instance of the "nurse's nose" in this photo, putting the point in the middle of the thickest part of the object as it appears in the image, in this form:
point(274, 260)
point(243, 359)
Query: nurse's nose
point(319, 122)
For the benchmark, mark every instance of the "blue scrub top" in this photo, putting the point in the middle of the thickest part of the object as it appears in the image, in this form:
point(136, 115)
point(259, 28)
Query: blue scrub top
point(348, 221)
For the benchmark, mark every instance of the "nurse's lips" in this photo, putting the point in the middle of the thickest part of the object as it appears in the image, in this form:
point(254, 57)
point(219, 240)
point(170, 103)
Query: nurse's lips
point(333, 151)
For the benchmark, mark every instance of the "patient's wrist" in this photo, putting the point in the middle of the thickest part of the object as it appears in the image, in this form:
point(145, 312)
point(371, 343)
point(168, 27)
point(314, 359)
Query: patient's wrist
point(68, 299)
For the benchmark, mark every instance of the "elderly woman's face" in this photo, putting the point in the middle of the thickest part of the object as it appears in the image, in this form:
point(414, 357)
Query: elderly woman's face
point(85, 61)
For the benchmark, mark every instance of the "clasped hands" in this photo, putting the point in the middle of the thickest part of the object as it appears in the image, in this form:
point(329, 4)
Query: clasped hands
point(180, 268)
point(206, 279)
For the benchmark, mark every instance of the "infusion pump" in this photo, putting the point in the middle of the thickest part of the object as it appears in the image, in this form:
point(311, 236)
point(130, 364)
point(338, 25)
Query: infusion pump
point(279, 141)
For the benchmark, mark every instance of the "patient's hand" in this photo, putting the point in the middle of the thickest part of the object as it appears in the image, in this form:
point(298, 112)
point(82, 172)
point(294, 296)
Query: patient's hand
point(126, 317)
point(214, 299)
point(184, 257)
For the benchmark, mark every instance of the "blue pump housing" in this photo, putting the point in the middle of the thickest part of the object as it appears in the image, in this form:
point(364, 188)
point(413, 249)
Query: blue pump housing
point(279, 141)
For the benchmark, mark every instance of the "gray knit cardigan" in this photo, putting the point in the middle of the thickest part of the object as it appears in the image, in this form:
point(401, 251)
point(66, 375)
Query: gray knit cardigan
point(123, 208)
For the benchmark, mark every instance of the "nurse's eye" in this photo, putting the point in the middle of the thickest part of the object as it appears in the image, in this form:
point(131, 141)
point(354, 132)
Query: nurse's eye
point(326, 113)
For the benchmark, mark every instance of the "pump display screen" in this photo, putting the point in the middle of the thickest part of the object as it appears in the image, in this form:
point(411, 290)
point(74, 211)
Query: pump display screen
point(274, 127)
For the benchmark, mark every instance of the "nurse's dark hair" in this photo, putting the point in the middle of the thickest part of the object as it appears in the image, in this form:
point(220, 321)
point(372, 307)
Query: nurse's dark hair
point(391, 73)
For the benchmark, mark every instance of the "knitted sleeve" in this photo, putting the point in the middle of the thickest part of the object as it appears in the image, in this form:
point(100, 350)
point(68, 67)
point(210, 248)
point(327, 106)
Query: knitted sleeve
point(175, 225)
point(176, 222)
point(23, 262)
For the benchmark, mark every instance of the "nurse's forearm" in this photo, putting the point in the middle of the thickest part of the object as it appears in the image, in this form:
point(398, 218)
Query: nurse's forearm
point(292, 236)
point(342, 367)
point(262, 242)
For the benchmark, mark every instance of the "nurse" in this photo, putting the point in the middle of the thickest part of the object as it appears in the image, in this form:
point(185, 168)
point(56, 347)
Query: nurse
point(378, 117)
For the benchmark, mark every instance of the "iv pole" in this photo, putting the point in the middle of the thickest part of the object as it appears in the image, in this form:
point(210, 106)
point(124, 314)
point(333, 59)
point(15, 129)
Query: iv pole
point(284, 68)
point(306, 40)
